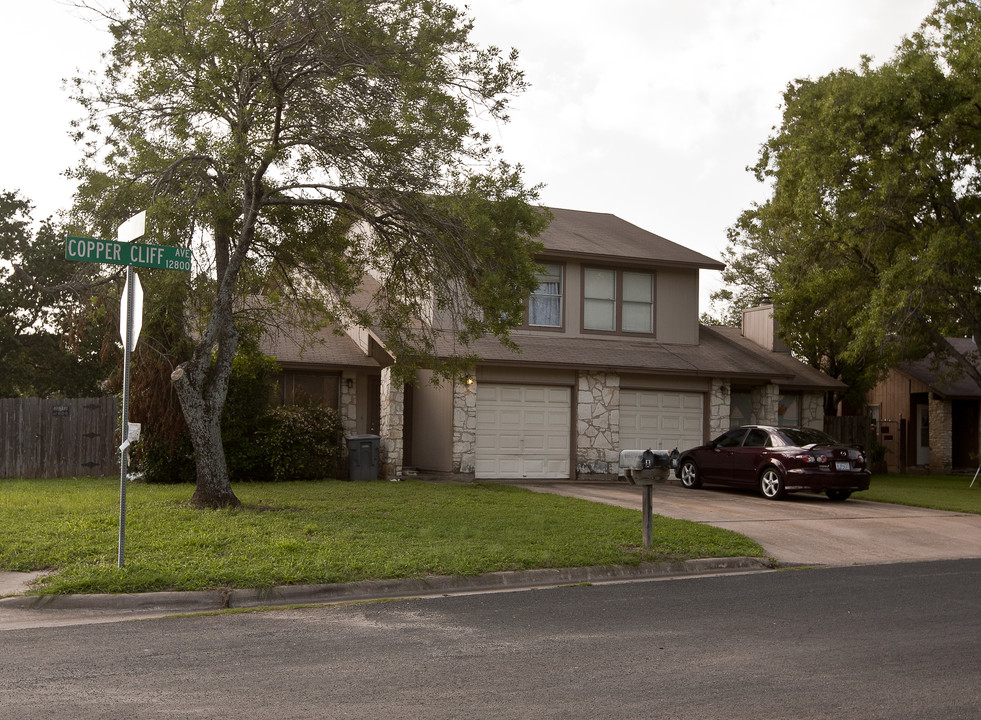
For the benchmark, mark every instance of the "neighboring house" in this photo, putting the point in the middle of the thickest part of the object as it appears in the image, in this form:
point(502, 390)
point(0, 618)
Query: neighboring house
point(612, 357)
point(330, 368)
point(928, 414)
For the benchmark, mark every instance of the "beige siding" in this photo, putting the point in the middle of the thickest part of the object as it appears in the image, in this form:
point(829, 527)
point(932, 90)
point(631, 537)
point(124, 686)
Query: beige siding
point(760, 326)
point(675, 304)
point(676, 307)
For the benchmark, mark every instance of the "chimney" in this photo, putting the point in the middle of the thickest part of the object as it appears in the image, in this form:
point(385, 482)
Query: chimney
point(761, 327)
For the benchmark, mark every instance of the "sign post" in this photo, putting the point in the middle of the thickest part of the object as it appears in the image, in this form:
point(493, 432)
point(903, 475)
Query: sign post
point(123, 251)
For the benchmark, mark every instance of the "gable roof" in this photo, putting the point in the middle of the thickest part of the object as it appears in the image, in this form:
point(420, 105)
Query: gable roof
point(293, 348)
point(946, 379)
point(602, 236)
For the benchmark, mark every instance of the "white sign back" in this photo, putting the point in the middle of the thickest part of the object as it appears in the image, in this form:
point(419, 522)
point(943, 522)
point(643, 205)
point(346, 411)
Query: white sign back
point(133, 228)
point(137, 312)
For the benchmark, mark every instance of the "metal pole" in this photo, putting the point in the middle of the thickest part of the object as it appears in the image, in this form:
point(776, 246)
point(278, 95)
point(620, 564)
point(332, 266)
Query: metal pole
point(648, 516)
point(124, 445)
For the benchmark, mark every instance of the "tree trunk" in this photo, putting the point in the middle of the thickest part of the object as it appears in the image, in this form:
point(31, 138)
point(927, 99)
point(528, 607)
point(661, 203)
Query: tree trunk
point(213, 488)
point(202, 386)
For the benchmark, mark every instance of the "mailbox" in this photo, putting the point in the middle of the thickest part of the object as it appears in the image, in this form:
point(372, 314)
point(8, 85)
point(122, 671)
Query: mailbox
point(646, 467)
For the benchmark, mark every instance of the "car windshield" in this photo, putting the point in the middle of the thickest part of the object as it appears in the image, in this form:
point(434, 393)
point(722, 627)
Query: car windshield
point(802, 437)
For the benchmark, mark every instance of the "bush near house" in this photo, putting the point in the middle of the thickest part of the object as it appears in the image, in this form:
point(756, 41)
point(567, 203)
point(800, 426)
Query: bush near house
point(262, 443)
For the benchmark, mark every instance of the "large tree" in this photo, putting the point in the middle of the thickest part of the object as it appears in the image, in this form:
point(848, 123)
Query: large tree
point(869, 245)
point(45, 349)
point(298, 145)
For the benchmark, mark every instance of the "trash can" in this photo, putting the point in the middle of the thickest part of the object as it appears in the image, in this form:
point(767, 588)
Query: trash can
point(362, 457)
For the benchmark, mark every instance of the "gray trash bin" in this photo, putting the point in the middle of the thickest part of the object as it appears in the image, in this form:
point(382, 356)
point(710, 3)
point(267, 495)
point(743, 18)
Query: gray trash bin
point(362, 457)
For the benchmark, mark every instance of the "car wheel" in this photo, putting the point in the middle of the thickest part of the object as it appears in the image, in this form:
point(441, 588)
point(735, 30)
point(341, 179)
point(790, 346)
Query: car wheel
point(771, 484)
point(689, 475)
point(839, 495)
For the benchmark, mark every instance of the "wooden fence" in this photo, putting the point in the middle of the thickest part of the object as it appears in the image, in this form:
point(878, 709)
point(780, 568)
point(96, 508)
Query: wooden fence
point(851, 429)
point(58, 438)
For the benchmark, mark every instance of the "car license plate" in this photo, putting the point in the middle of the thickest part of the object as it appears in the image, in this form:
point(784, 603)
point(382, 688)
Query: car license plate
point(842, 465)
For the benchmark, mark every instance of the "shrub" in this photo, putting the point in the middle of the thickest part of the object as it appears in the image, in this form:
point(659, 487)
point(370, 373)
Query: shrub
point(303, 442)
point(244, 423)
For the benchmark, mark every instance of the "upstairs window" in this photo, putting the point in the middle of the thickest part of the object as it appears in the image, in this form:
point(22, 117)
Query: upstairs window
point(545, 304)
point(618, 301)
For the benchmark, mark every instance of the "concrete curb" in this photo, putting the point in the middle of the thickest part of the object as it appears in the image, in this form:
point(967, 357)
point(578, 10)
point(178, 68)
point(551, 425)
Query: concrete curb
point(208, 601)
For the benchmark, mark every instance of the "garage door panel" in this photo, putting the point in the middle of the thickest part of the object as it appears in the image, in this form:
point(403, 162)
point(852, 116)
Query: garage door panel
point(523, 431)
point(660, 420)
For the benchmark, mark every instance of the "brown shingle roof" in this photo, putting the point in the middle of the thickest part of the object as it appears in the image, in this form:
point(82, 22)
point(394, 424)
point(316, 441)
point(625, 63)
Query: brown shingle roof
point(324, 348)
point(793, 373)
point(717, 354)
point(602, 236)
point(946, 380)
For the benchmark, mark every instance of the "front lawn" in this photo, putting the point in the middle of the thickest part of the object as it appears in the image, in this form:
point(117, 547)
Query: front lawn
point(321, 532)
point(940, 492)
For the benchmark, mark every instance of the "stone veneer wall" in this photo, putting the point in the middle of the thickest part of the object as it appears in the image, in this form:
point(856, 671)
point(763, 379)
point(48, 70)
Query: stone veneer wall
point(941, 435)
point(464, 426)
point(392, 426)
point(766, 405)
point(598, 423)
point(719, 407)
point(348, 408)
point(812, 411)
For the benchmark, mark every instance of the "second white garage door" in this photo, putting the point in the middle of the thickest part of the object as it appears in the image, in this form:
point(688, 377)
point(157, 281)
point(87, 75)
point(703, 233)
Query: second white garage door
point(660, 420)
point(523, 431)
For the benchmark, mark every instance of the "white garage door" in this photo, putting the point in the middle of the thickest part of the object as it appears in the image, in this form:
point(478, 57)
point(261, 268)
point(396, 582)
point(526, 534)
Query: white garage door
point(660, 420)
point(523, 431)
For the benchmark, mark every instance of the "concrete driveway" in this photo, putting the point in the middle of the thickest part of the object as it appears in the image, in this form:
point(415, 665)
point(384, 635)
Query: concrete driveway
point(806, 528)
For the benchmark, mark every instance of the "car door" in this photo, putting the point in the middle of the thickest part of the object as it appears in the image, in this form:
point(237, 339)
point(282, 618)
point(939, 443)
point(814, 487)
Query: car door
point(746, 457)
point(715, 461)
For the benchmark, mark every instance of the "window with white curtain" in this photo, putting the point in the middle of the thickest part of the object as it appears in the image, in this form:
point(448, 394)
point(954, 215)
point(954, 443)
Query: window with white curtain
point(545, 304)
point(618, 301)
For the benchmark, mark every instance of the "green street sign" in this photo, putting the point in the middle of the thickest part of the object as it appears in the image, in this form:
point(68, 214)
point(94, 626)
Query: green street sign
point(162, 257)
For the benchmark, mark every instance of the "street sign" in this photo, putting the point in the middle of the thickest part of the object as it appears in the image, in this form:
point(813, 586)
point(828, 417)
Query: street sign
point(133, 228)
point(137, 312)
point(114, 252)
point(123, 251)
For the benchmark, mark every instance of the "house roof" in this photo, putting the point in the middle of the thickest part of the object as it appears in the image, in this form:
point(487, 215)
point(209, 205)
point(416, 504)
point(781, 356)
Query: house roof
point(327, 347)
point(945, 378)
point(716, 355)
point(794, 373)
point(602, 236)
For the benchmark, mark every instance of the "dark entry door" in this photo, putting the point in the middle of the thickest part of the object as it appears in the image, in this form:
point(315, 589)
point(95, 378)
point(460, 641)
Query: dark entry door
point(964, 443)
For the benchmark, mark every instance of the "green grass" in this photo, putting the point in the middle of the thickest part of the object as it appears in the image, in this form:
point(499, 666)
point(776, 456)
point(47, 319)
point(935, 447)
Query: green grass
point(940, 492)
point(321, 532)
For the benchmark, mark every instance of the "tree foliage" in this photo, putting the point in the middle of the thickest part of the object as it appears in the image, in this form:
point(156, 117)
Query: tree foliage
point(869, 245)
point(49, 347)
point(299, 145)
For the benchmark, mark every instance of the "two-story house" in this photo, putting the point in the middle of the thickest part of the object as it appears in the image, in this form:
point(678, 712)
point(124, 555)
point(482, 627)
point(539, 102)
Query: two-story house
point(612, 356)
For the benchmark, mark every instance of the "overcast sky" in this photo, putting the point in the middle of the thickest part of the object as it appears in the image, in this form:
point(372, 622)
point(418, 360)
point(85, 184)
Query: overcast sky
point(647, 109)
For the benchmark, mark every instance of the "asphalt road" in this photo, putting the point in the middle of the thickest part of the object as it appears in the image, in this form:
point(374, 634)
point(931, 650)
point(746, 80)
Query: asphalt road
point(888, 641)
point(805, 528)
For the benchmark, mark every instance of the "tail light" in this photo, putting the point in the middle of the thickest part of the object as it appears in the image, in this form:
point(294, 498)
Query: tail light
point(808, 458)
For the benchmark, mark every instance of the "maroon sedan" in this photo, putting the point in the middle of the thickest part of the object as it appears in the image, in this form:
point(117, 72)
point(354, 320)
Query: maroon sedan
point(777, 461)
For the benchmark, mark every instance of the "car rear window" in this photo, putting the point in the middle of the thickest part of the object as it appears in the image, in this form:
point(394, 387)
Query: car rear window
point(802, 437)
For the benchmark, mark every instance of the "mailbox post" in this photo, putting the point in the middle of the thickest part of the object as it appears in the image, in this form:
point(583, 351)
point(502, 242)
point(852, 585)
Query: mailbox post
point(644, 468)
